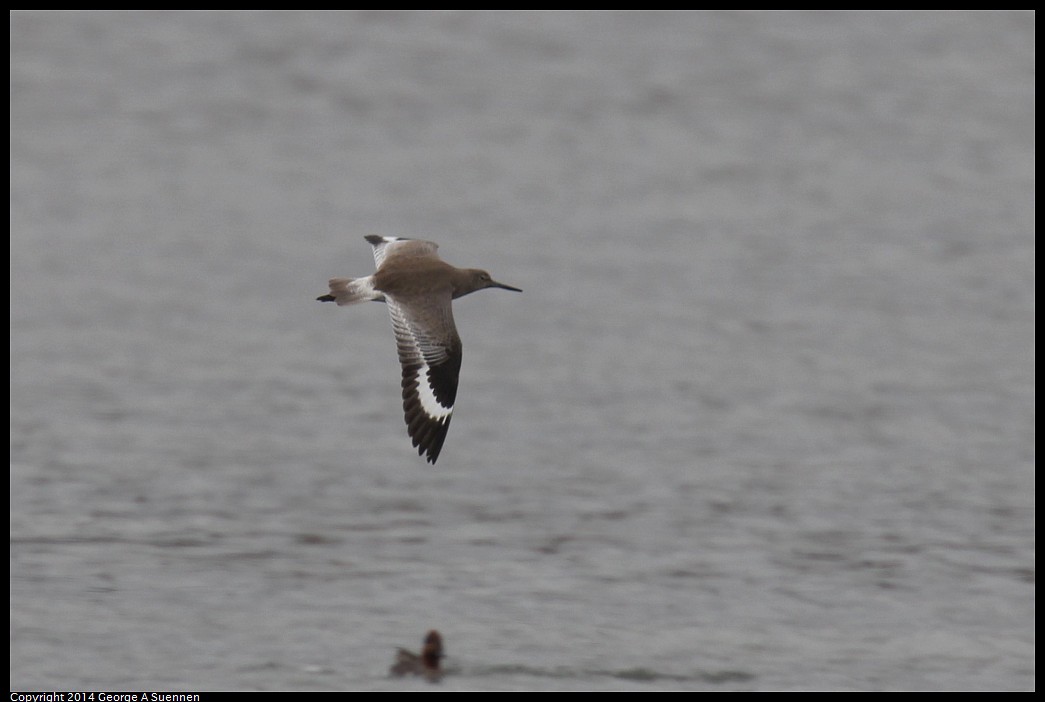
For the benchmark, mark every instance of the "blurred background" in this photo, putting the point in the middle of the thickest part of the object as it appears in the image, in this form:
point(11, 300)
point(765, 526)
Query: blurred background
point(763, 417)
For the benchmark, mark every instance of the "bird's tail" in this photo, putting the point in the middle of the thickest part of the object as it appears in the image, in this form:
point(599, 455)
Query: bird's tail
point(349, 291)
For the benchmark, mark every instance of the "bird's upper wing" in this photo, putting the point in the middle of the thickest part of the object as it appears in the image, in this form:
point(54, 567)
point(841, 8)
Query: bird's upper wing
point(388, 246)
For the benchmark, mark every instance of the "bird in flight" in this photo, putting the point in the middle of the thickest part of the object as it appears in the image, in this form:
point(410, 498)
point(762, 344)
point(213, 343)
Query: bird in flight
point(418, 288)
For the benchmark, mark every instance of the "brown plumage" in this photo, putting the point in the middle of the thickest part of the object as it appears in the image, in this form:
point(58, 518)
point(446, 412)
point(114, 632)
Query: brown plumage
point(426, 663)
point(418, 288)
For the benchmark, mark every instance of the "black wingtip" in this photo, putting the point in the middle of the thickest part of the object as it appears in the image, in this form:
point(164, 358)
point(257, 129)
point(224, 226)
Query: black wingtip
point(326, 298)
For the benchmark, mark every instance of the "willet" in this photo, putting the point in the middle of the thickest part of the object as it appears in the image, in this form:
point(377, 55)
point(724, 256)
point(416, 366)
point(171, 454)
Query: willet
point(418, 288)
point(426, 664)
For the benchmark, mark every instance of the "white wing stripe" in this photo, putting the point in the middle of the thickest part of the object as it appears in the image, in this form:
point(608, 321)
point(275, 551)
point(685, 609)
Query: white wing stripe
point(411, 353)
point(429, 403)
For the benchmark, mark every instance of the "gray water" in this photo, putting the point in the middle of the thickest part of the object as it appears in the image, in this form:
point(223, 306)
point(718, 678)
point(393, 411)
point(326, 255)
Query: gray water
point(762, 419)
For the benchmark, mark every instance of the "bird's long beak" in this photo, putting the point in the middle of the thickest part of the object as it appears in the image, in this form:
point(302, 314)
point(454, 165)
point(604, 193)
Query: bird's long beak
point(495, 284)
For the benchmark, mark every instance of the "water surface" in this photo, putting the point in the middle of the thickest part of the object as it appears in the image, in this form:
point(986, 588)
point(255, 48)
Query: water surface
point(763, 418)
